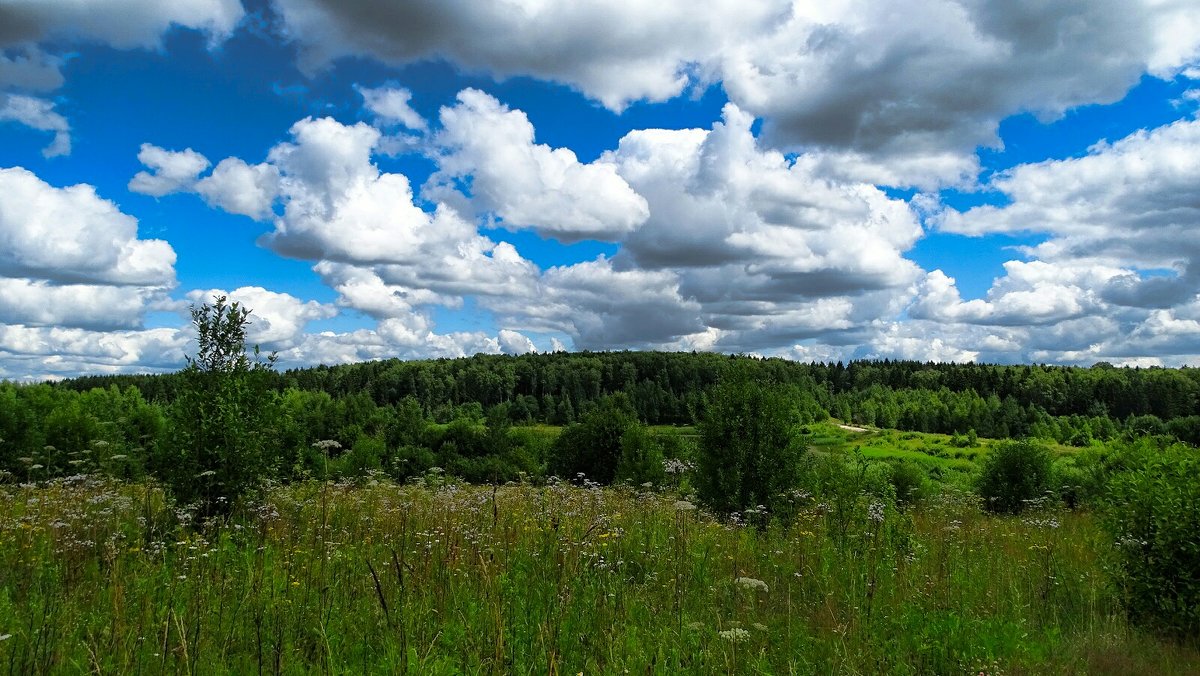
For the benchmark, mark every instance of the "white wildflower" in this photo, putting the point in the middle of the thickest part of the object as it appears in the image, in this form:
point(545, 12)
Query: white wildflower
point(684, 506)
point(751, 584)
point(735, 635)
point(875, 512)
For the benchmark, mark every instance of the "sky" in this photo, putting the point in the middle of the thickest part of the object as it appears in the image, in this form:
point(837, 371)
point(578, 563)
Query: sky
point(939, 180)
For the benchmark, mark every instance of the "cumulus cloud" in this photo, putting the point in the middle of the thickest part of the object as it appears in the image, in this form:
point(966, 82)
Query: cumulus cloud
point(613, 52)
point(900, 341)
point(277, 320)
point(1115, 277)
point(38, 114)
point(124, 24)
point(40, 353)
point(1119, 220)
point(71, 235)
point(240, 188)
point(1029, 293)
point(91, 306)
point(766, 249)
point(1130, 202)
point(514, 342)
point(524, 184)
point(604, 308)
point(900, 93)
point(169, 171)
point(390, 105)
point(370, 240)
point(76, 283)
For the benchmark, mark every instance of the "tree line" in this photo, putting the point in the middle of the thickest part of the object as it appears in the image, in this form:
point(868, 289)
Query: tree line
point(1071, 405)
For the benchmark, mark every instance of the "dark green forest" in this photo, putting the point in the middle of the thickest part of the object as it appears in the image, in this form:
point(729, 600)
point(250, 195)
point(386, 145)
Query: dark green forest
point(403, 417)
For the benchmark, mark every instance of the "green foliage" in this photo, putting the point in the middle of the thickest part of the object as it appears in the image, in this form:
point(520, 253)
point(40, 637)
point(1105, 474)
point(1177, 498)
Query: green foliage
point(1152, 514)
point(220, 421)
point(749, 446)
point(910, 482)
point(1013, 474)
point(593, 446)
point(641, 458)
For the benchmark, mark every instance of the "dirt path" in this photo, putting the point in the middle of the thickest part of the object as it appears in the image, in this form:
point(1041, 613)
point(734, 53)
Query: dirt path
point(852, 428)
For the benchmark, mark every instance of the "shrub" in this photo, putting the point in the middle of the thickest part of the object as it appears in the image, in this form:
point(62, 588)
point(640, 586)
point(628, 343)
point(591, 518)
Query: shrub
point(219, 423)
point(1013, 474)
point(909, 481)
point(592, 447)
point(1152, 514)
point(749, 448)
point(641, 457)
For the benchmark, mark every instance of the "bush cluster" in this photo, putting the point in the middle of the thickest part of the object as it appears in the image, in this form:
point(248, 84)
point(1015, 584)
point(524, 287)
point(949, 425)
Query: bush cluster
point(1152, 514)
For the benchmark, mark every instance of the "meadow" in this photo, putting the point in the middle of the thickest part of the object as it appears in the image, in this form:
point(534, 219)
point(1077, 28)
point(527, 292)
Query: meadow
point(434, 577)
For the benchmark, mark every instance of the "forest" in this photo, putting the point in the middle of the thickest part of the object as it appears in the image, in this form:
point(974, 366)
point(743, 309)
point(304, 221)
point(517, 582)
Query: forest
point(438, 412)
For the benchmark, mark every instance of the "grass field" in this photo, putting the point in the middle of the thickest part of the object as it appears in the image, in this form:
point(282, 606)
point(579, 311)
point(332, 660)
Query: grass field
point(441, 578)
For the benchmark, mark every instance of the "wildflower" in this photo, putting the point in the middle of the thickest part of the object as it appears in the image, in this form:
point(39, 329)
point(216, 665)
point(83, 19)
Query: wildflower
point(875, 512)
point(735, 635)
point(684, 506)
point(751, 584)
point(5, 637)
point(675, 466)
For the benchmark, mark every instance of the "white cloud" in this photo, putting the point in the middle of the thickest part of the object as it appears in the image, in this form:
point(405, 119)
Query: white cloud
point(89, 306)
point(524, 184)
point(1120, 220)
point(1029, 293)
point(72, 235)
point(38, 114)
point(390, 105)
point(896, 92)
point(47, 353)
point(277, 320)
point(170, 171)
point(124, 24)
point(604, 308)
point(373, 244)
point(240, 188)
point(766, 249)
point(76, 283)
point(1143, 183)
point(513, 342)
point(907, 341)
point(615, 52)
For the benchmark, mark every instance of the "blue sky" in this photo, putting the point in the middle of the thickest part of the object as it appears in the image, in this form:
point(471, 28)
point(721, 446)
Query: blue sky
point(938, 180)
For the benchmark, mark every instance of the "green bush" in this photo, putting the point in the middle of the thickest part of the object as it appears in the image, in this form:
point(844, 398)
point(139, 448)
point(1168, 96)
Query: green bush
point(749, 446)
point(220, 421)
point(1152, 514)
point(1013, 474)
point(592, 447)
point(641, 458)
point(909, 481)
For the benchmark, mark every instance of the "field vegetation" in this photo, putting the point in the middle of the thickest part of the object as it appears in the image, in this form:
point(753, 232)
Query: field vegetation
point(626, 512)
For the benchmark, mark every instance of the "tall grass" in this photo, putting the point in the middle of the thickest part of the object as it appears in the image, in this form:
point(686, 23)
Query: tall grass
point(443, 578)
